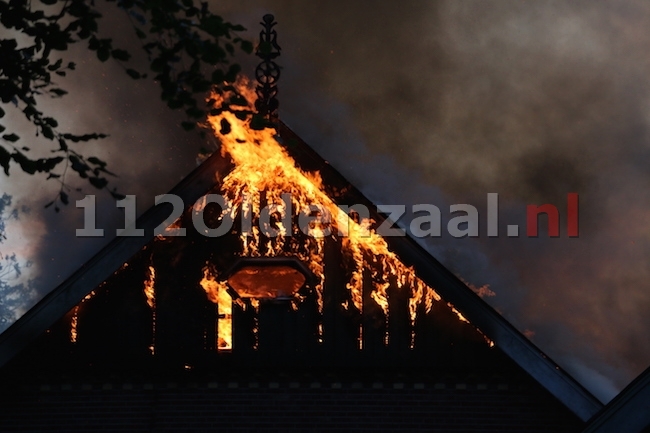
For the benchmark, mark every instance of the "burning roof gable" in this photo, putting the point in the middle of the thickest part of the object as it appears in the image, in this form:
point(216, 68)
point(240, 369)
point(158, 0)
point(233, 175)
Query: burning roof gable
point(254, 169)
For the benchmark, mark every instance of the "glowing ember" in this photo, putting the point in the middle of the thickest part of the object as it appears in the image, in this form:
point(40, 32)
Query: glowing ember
point(74, 322)
point(460, 316)
point(150, 294)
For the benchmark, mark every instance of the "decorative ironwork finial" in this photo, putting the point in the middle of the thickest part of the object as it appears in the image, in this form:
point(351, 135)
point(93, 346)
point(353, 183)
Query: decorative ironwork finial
point(267, 72)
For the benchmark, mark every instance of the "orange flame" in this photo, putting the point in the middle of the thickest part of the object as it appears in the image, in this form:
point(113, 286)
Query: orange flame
point(74, 322)
point(263, 170)
point(217, 292)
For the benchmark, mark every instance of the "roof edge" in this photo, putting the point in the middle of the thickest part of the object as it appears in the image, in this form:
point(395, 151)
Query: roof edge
point(528, 356)
point(629, 411)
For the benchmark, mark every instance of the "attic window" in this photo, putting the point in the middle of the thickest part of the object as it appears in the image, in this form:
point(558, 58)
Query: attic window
point(268, 278)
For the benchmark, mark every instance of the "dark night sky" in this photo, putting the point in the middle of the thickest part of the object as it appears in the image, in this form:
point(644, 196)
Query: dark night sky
point(431, 102)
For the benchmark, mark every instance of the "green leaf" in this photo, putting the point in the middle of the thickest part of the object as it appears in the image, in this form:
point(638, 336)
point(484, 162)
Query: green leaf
point(96, 161)
point(121, 55)
point(246, 46)
point(55, 66)
point(47, 132)
point(5, 157)
point(30, 111)
point(98, 182)
point(59, 92)
point(47, 164)
point(2, 112)
point(231, 75)
point(78, 166)
point(12, 138)
point(218, 77)
point(64, 197)
point(50, 122)
point(93, 44)
point(103, 53)
point(201, 86)
point(195, 113)
point(174, 104)
point(133, 73)
point(158, 64)
point(140, 34)
point(29, 166)
point(117, 196)
point(213, 54)
point(188, 126)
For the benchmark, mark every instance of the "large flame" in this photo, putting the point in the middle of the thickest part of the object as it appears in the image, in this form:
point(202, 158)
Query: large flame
point(264, 170)
point(264, 174)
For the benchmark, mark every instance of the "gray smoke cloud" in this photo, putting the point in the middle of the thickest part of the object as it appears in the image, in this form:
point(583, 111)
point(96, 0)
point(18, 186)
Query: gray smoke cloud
point(440, 102)
point(146, 148)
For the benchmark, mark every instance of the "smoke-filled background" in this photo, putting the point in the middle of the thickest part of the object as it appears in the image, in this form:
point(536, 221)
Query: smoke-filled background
point(435, 102)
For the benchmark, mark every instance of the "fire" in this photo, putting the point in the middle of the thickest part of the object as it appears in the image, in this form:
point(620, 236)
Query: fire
point(264, 174)
point(217, 292)
point(150, 294)
point(74, 322)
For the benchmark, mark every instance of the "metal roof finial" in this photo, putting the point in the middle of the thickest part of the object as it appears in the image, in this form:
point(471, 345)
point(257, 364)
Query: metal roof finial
point(267, 72)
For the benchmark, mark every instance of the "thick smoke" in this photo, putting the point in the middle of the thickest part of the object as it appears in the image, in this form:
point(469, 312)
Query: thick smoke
point(443, 102)
point(146, 148)
point(459, 99)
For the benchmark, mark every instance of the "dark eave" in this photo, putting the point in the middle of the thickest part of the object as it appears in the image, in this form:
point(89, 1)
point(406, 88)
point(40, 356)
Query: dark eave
point(58, 302)
point(628, 412)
